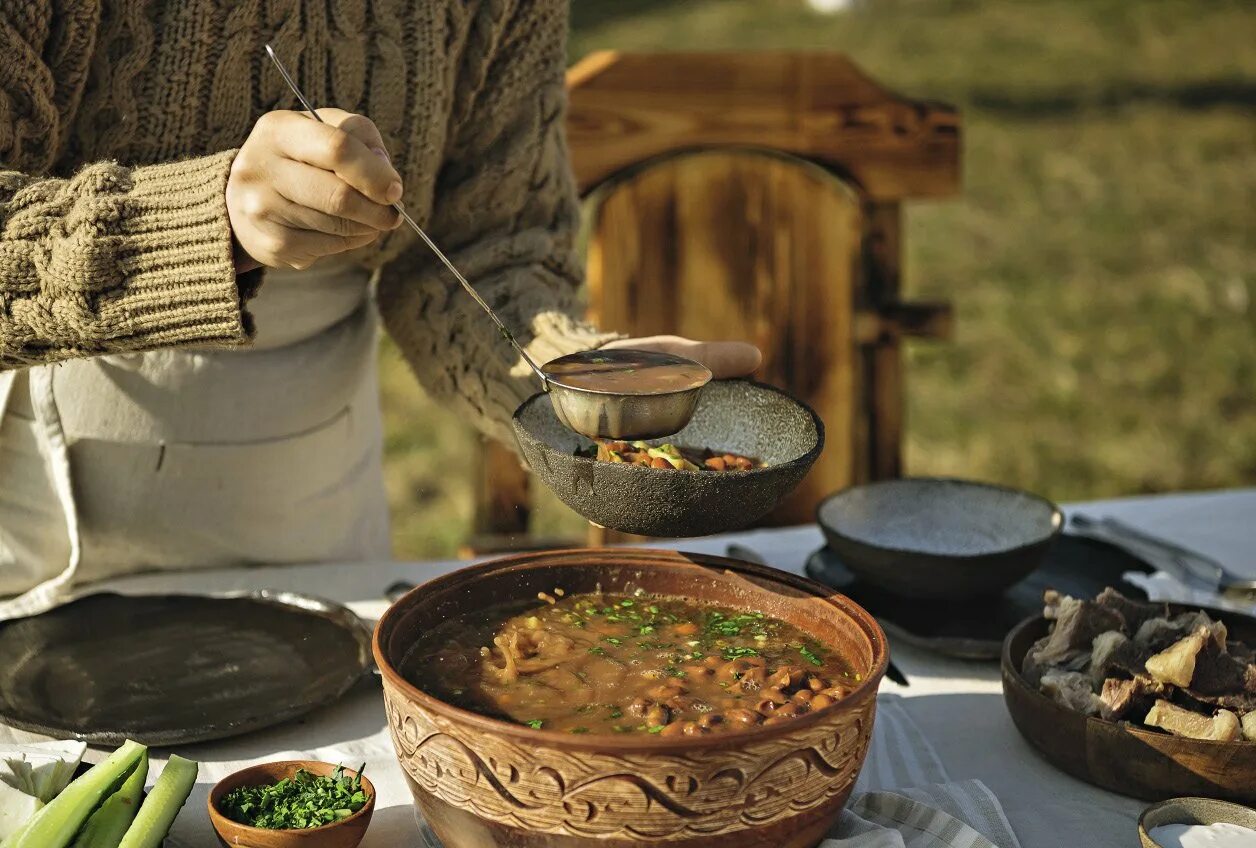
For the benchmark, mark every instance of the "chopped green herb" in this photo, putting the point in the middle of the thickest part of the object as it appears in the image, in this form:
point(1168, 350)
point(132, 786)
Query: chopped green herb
point(655, 728)
point(302, 801)
point(810, 656)
point(580, 730)
point(653, 609)
point(536, 724)
point(673, 671)
point(738, 653)
point(646, 629)
point(616, 712)
point(598, 649)
point(625, 603)
point(612, 640)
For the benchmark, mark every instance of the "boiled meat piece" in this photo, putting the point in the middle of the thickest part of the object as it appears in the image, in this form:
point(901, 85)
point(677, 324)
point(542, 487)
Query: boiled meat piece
point(1220, 673)
point(1113, 654)
point(1134, 613)
point(1077, 623)
point(1249, 727)
point(1121, 697)
point(1071, 689)
point(1223, 727)
point(1240, 702)
point(1176, 664)
point(1156, 634)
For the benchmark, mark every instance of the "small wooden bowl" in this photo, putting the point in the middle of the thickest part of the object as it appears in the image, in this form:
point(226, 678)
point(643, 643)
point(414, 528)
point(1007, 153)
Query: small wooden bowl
point(1191, 811)
point(346, 833)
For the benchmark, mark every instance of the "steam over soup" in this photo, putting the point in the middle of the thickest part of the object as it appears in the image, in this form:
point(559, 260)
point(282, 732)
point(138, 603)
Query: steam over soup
point(628, 664)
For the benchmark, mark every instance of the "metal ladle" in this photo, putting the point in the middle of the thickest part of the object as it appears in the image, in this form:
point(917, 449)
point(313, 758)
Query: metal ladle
point(592, 412)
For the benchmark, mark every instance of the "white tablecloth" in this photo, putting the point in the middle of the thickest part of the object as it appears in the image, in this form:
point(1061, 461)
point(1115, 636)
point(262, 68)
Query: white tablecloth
point(958, 705)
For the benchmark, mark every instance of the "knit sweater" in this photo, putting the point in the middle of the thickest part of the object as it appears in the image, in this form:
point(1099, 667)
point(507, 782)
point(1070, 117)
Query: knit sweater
point(119, 121)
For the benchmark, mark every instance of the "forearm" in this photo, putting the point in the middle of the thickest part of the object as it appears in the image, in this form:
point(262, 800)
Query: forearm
point(118, 260)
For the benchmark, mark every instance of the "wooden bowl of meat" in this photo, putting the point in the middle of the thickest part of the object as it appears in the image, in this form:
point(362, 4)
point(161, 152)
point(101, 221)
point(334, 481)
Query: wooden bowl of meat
point(620, 697)
point(1154, 701)
point(747, 446)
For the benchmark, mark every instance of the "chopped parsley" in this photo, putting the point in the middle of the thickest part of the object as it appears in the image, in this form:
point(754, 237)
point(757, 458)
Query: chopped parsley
point(738, 653)
point(302, 801)
point(536, 724)
point(810, 656)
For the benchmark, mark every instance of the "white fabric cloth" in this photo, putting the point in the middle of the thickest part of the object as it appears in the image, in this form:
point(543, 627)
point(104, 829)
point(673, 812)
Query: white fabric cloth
point(956, 706)
point(180, 459)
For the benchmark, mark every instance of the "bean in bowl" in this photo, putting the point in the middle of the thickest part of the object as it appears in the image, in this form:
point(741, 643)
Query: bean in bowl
point(613, 663)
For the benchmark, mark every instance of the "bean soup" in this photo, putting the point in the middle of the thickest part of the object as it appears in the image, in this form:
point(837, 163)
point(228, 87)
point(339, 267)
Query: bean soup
point(605, 663)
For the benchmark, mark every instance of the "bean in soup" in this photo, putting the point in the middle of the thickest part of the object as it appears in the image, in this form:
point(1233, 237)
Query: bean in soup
point(628, 664)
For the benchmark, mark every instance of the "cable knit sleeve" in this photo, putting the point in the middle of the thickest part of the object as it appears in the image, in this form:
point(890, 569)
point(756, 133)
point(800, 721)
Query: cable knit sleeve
point(112, 259)
point(506, 212)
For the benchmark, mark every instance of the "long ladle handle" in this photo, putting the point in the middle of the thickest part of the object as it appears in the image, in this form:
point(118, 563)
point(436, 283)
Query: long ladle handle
point(405, 216)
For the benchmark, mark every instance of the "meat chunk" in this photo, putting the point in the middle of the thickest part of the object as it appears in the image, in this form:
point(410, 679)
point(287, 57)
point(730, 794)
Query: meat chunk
point(1134, 613)
point(1218, 672)
point(1176, 664)
point(1249, 726)
point(1071, 689)
point(1120, 698)
point(1077, 623)
point(1113, 654)
point(1156, 634)
point(1223, 727)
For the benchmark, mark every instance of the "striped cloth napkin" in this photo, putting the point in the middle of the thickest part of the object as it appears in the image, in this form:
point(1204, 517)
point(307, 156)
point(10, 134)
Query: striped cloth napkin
point(904, 797)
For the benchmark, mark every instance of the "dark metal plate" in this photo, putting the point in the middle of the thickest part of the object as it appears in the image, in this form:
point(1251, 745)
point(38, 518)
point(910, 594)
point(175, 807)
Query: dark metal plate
point(177, 669)
point(975, 628)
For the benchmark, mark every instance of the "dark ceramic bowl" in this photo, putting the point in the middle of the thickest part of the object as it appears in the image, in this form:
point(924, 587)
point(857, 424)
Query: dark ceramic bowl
point(925, 537)
point(738, 416)
point(346, 833)
point(1192, 811)
point(481, 782)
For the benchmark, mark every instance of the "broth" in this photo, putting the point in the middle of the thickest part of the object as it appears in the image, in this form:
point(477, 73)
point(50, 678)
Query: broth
point(628, 664)
point(627, 372)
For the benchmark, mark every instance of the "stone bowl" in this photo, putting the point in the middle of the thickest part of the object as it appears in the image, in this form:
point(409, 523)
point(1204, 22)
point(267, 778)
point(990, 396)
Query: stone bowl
point(480, 782)
point(938, 538)
point(1205, 811)
point(739, 416)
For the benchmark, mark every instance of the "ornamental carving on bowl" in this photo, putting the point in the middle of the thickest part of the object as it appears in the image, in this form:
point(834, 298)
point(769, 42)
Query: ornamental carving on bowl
point(645, 796)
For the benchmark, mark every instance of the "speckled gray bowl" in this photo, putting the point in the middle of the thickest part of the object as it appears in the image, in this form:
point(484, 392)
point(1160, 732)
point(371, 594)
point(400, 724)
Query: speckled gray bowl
point(931, 537)
point(740, 416)
point(1191, 811)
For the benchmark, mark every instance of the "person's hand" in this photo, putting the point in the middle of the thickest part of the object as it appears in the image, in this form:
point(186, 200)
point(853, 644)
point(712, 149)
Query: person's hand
point(300, 190)
point(725, 359)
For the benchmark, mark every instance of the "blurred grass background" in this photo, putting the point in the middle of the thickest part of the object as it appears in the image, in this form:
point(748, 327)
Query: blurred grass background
point(1102, 258)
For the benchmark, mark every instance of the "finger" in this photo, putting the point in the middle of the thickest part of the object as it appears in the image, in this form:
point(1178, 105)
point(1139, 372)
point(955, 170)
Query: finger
point(299, 137)
point(322, 191)
point(727, 359)
point(359, 126)
point(294, 215)
point(299, 249)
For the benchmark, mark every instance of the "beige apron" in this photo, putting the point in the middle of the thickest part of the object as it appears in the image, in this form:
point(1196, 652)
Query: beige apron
point(197, 458)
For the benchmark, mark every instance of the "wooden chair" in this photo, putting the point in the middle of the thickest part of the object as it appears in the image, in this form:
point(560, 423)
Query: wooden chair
point(755, 196)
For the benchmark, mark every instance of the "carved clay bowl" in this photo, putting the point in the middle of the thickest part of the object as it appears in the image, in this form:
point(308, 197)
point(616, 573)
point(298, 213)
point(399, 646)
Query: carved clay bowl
point(741, 416)
point(482, 783)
